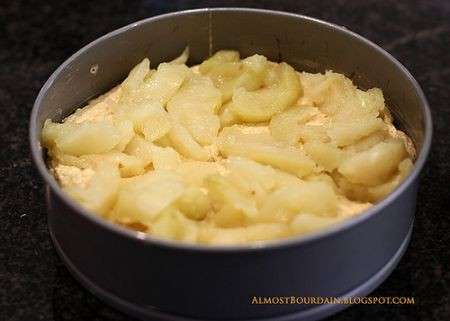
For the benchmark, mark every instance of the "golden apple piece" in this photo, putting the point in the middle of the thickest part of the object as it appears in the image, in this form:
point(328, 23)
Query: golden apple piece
point(185, 144)
point(58, 158)
point(366, 142)
point(254, 179)
point(317, 198)
point(163, 83)
point(313, 86)
point(194, 172)
point(136, 77)
point(253, 73)
point(287, 125)
point(128, 165)
point(241, 134)
point(227, 198)
point(194, 203)
point(313, 133)
point(381, 191)
point(143, 197)
point(375, 165)
point(333, 93)
point(229, 75)
point(165, 157)
point(83, 138)
point(148, 118)
point(260, 147)
point(322, 177)
point(163, 141)
point(229, 216)
point(126, 130)
point(372, 100)
point(156, 126)
point(344, 133)
point(195, 106)
point(101, 191)
point(172, 224)
point(251, 175)
point(325, 155)
point(226, 116)
point(262, 104)
point(338, 97)
point(203, 127)
point(224, 77)
point(352, 191)
point(167, 225)
point(220, 57)
point(140, 148)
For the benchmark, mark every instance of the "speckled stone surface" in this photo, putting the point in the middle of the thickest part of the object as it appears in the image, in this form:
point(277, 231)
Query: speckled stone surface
point(37, 36)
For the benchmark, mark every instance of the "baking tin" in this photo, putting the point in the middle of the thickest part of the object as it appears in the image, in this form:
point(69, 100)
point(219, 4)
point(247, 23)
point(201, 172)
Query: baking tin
point(164, 280)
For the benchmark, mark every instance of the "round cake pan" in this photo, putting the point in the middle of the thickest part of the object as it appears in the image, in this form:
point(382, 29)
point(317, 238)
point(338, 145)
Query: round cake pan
point(164, 280)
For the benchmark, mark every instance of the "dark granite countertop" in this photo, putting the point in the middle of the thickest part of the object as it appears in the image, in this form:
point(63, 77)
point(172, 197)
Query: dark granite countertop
point(37, 36)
